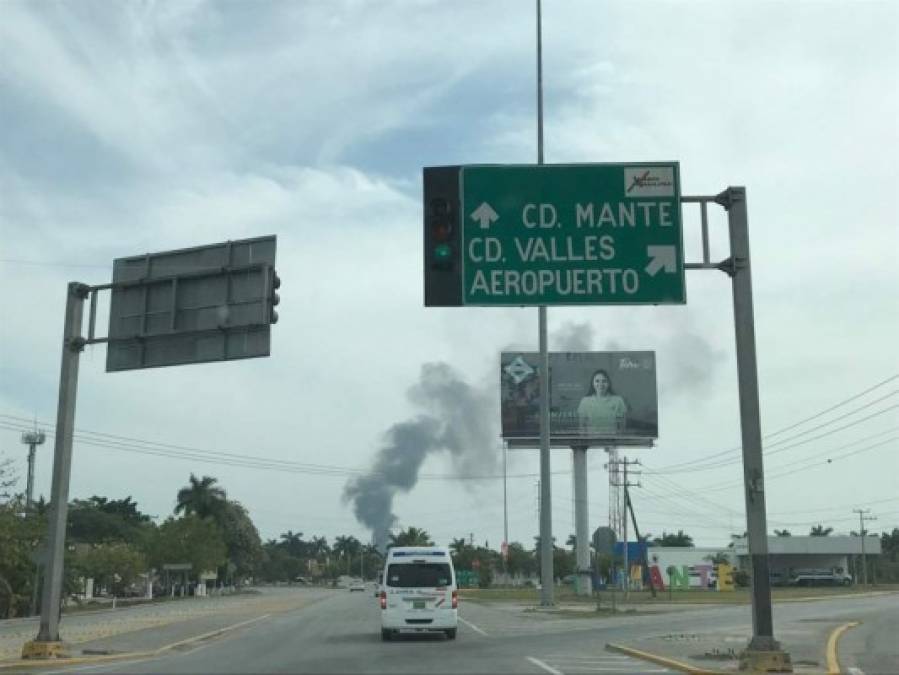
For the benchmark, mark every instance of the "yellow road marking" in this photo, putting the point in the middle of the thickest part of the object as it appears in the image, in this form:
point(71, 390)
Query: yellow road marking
point(661, 660)
point(833, 663)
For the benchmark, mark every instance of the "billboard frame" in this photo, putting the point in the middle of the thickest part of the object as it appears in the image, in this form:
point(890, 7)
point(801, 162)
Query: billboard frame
point(637, 368)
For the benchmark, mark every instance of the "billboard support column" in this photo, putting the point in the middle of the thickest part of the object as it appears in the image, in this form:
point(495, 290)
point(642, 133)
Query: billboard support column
point(763, 652)
point(547, 578)
point(581, 520)
point(47, 642)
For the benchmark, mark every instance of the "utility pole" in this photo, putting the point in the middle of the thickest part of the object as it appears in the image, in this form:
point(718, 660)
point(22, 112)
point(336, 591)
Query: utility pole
point(630, 505)
point(861, 530)
point(614, 499)
point(625, 483)
point(32, 439)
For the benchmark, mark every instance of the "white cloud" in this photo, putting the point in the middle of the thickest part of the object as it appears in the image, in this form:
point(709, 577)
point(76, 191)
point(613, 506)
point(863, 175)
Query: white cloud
point(157, 126)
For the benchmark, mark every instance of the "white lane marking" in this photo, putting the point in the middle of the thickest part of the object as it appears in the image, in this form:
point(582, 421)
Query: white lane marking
point(855, 671)
point(610, 657)
point(472, 626)
point(548, 669)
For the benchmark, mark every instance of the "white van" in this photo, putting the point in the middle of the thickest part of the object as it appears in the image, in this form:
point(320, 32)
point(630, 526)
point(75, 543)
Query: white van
point(418, 592)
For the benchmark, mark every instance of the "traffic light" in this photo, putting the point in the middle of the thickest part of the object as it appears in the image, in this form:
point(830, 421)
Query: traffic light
point(442, 237)
point(272, 298)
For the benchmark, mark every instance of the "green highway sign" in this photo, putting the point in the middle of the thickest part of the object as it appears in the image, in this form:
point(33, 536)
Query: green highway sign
point(590, 234)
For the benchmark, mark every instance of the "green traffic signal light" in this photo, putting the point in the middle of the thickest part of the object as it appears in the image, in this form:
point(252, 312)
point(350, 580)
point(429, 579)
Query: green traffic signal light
point(443, 253)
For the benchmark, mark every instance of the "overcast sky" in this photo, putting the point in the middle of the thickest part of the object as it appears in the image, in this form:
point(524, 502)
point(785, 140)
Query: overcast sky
point(134, 127)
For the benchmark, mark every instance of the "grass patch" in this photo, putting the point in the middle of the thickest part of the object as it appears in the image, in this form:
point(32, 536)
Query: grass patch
point(692, 596)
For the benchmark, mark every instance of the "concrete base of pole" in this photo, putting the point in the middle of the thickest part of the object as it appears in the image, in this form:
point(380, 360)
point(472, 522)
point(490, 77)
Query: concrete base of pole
point(584, 584)
point(765, 661)
point(44, 650)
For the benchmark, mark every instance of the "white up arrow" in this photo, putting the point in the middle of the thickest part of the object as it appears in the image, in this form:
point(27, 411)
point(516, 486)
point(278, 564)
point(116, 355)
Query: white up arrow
point(485, 215)
point(662, 257)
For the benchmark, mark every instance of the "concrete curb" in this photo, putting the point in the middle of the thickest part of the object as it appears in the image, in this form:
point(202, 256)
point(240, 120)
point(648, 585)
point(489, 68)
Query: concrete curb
point(101, 658)
point(833, 661)
point(661, 660)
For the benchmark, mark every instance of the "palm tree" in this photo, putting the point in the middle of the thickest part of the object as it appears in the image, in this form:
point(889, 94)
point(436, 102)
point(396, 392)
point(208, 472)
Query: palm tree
point(411, 536)
point(346, 547)
point(458, 546)
point(202, 497)
point(820, 531)
point(318, 547)
point(293, 542)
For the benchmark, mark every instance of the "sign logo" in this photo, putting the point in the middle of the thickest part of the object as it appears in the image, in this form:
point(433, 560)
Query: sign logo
point(519, 370)
point(649, 181)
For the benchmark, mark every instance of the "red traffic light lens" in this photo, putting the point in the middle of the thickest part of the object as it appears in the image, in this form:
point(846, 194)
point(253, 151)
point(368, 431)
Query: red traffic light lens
point(441, 230)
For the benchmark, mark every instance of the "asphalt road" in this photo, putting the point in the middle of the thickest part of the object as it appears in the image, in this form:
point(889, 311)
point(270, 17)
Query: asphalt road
point(341, 634)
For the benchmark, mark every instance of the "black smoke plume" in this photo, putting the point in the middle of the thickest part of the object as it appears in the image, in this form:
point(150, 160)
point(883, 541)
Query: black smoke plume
point(456, 418)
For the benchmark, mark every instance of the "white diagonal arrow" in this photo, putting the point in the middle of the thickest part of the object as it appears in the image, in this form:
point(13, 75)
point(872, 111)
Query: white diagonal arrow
point(485, 215)
point(661, 257)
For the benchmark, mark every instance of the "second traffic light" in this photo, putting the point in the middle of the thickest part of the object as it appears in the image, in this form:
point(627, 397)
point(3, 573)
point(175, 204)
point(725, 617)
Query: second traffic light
point(442, 237)
point(272, 300)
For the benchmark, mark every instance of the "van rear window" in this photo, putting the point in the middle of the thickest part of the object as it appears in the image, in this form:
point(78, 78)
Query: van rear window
point(419, 575)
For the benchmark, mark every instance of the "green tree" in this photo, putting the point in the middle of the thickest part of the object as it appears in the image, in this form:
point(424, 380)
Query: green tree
point(98, 520)
point(293, 543)
point(189, 540)
point(241, 538)
point(889, 545)
point(679, 539)
point(520, 561)
point(114, 566)
point(411, 536)
point(820, 531)
point(19, 539)
point(373, 561)
point(347, 550)
point(202, 497)
point(458, 546)
point(8, 479)
point(318, 548)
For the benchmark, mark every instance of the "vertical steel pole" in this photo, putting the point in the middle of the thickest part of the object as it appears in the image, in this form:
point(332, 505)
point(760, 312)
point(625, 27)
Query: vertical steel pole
point(734, 200)
point(546, 525)
point(29, 486)
point(581, 521)
point(29, 500)
point(72, 345)
point(627, 569)
point(505, 512)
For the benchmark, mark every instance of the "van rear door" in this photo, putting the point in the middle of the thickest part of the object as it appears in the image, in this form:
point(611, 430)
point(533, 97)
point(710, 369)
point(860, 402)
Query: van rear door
point(420, 586)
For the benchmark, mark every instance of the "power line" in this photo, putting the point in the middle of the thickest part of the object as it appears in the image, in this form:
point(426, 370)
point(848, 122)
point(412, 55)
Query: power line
point(738, 448)
point(722, 463)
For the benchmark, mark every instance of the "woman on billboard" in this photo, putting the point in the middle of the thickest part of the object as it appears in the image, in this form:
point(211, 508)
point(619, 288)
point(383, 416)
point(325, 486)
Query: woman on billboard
point(601, 412)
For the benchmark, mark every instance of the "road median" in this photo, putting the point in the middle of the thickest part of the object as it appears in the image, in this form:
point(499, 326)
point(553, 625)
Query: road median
point(132, 634)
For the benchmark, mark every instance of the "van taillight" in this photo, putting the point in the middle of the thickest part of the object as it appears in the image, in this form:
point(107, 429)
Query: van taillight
point(455, 599)
point(383, 598)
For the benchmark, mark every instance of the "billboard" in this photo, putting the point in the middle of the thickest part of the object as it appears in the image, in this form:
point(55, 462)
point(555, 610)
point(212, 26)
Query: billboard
point(595, 398)
point(194, 305)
